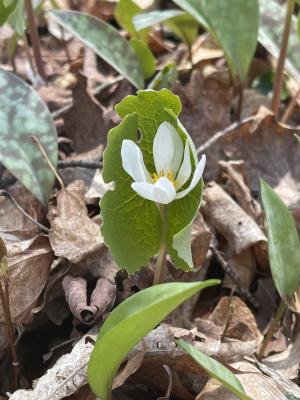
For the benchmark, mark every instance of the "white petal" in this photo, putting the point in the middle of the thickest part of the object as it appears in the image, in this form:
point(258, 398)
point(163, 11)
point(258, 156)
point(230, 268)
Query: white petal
point(162, 191)
point(167, 149)
point(196, 178)
point(185, 169)
point(133, 162)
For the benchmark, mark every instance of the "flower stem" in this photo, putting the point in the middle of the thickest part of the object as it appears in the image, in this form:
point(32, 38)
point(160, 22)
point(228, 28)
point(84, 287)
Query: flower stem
point(268, 337)
point(160, 270)
point(34, 37)
point(282, 56)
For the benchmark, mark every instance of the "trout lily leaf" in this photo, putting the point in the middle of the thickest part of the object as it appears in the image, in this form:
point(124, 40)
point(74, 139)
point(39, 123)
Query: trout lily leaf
point(172, 163)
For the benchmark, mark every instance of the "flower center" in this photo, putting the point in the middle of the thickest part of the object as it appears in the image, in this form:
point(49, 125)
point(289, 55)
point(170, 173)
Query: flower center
point(155, 177)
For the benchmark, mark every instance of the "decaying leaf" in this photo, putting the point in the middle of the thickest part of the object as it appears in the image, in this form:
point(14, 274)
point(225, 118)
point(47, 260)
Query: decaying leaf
point(28, 266)
point(84, 123)
point(73, 234)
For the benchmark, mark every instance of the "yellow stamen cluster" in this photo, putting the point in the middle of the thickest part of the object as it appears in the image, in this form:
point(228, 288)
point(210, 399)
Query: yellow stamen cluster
point(155, 177)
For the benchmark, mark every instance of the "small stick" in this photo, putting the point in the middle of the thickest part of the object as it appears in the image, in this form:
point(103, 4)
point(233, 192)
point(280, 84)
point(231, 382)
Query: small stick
point(234, 277)
point(230, 311)
point(79, 163)
point(17, 205)
point(282, 56)
point(279, 314)
point(35, 41)
point(290, 107)
point(42, 150)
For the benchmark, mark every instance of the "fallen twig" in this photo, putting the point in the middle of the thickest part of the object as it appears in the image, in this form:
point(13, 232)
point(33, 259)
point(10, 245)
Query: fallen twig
point(79, 163)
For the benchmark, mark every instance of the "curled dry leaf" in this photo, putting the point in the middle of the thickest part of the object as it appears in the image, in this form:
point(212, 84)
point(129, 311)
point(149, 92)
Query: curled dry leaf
point(28, 266)
point(102, 298)
point(73, 234)
point(201, 238)
point(237, 227)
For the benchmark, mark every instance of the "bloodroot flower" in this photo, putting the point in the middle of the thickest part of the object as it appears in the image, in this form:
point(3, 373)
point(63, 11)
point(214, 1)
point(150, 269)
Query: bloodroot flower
point(172, 163)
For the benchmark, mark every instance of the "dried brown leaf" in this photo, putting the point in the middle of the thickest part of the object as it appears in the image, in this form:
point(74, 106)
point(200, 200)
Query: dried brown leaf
point(73, 234)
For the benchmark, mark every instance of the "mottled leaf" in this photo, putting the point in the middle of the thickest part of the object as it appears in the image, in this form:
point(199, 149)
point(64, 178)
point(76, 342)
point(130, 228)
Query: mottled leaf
point(129, 323)
point(23, 114)
point(283, 242)
point(152, 108)
point(215, 369)
point(181, 23)
point(272, 16)
point(124, 14)
point(145, 57)
point(106, 41)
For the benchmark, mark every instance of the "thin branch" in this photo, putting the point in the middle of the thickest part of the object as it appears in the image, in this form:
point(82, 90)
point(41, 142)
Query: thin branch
point(17, 205)
point(42, 150)
point(79, 163)
point(235, 278)
point(290, 107)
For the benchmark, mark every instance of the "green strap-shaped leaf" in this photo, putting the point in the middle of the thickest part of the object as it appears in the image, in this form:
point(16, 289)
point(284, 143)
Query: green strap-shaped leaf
point(145, 57)
point(152, 108)
point(181, 23)
point(124, 14)
point(272, 16)
point(106, 41)
point(215, 369)
point(6, 9)
point(195, 8)
point(129, 323)
point(165, 78)
point(24, 114)
point(234, 24)
point(283, 242)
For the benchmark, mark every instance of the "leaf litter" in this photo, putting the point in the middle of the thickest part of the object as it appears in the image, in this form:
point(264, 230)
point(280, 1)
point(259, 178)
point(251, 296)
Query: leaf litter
point(72, 282)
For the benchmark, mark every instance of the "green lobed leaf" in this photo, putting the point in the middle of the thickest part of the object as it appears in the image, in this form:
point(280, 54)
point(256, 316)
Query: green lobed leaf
point(165, 78)
point(283, 242)
point(152, 109)
point(145, 57)
point(124, 14)
point(22, 114)
point(179, 22)
point(215, 369)
point(131, 225)
point(272, 16)
point(105, 40)
point(234, 24)
point(129, 323)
